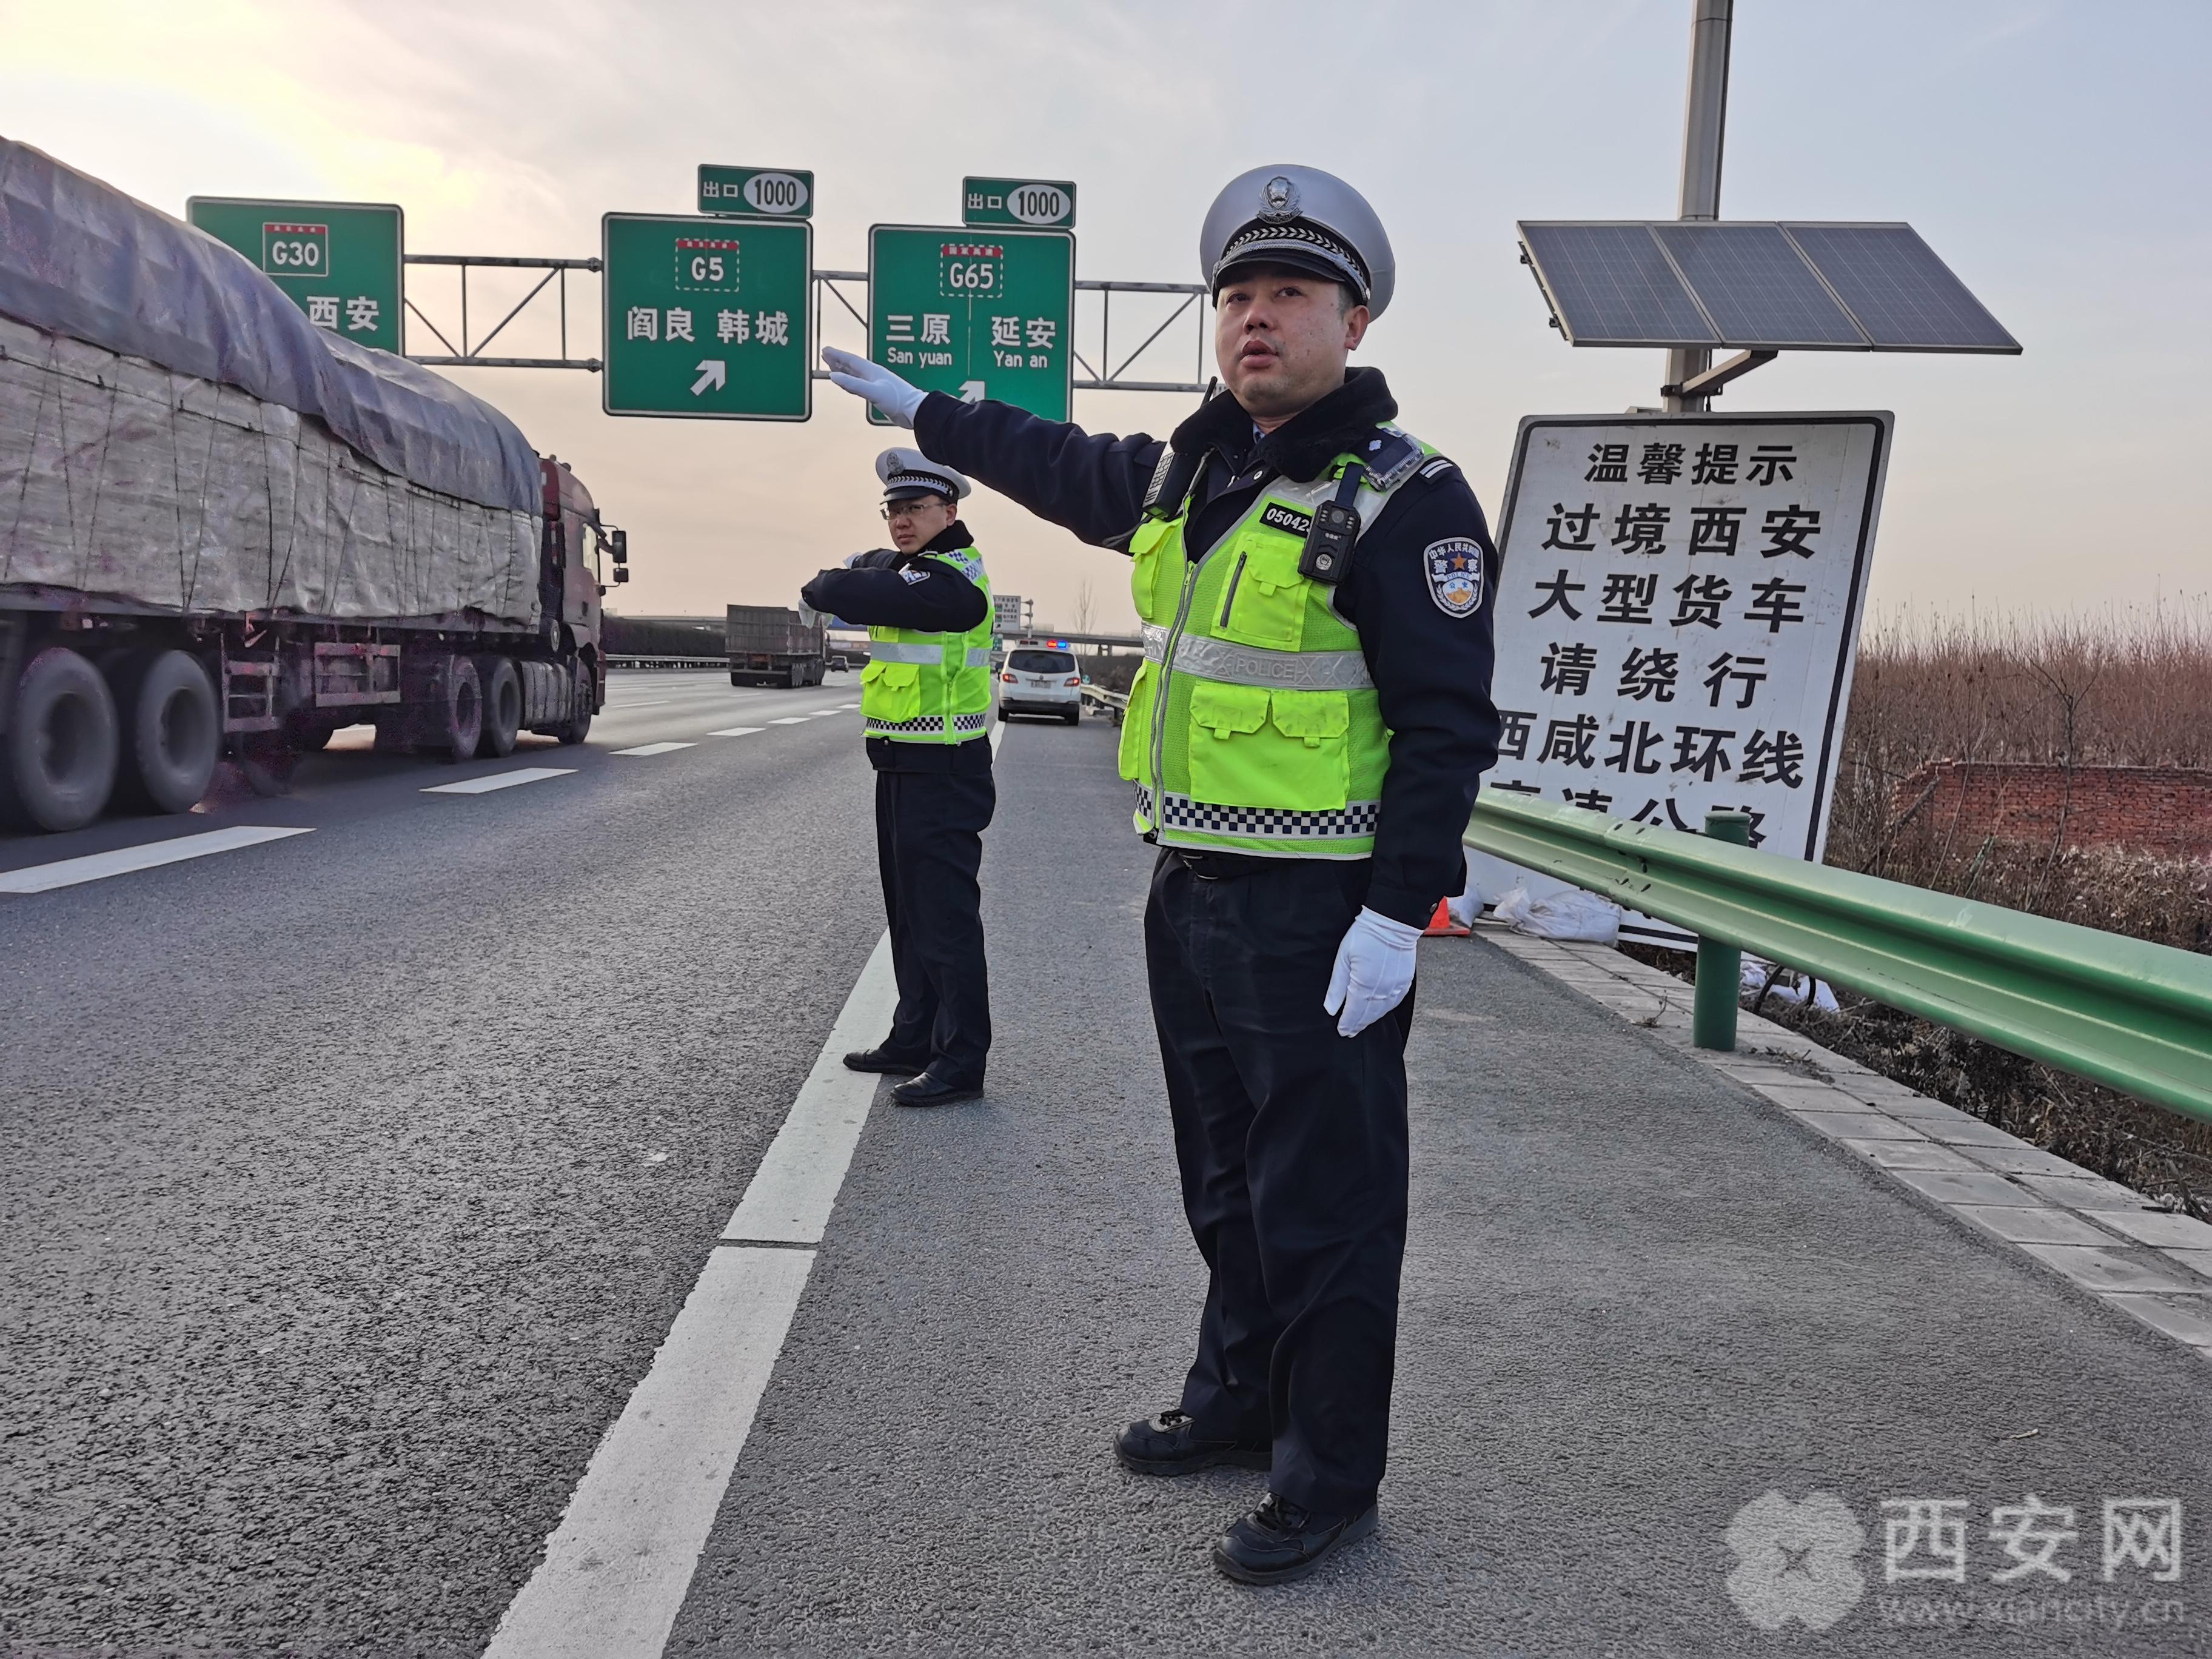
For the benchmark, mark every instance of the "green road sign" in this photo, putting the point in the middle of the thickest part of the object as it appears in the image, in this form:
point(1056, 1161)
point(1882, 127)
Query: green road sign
point(707, 318)
point(339, 261)
point(976, 316)
point(1048, 203)
point(755, 192)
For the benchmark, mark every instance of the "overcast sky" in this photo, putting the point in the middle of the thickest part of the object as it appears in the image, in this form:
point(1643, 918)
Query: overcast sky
point(2055, 155)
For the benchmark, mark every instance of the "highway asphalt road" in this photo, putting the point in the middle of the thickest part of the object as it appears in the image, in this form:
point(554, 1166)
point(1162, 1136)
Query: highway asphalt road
point(354, 1179)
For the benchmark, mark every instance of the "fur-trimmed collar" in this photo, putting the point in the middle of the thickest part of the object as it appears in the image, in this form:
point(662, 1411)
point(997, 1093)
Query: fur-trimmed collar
point(950, 539)
point(1302, 446)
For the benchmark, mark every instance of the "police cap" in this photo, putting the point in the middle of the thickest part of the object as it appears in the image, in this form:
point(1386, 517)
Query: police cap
point(907, 472)
point(1304, 218)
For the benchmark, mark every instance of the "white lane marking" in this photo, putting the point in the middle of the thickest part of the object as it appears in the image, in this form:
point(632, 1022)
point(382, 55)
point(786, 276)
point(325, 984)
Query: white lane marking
point(998, 738)
point(790, 719)
point(619, 1565)
point(820, 713)
point(736, 731)
point(789, 1199)
point(624, 706)
point(656, 748)
point(844, 707)
point(491, 781)
point(93, 866)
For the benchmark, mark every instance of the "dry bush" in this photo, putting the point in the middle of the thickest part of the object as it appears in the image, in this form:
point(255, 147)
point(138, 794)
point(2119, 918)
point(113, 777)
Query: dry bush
point(2125, 689)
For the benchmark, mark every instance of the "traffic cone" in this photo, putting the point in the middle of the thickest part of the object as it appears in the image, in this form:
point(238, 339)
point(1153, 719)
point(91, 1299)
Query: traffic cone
point(1441, 924)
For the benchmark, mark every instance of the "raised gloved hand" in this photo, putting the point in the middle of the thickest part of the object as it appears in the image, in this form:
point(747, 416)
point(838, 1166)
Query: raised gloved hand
point(808, 616)
point(878, 384)
point(1374, 971)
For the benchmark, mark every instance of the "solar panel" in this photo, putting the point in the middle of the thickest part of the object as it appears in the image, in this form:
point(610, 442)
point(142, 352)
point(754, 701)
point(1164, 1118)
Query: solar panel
point(1904, 296)
point(1755, 286)
point(1752, 285)
point(1610, 285)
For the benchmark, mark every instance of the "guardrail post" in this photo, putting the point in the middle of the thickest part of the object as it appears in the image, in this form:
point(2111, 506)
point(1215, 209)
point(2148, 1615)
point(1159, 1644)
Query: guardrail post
point(1720, 967)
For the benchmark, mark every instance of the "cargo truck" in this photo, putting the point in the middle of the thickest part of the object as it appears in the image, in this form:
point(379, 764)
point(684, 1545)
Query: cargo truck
point(226, 531)
point(769, 645)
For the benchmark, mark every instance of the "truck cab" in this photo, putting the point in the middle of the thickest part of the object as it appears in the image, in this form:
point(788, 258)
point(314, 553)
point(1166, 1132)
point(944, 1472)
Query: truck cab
point(570, 577)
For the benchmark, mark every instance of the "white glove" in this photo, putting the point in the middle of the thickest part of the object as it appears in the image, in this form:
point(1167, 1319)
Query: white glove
point(1374, 971)
point(878, 385)
point(808, 616)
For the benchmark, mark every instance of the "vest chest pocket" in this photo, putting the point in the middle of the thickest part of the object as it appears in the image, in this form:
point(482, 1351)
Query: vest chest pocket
point(890, 692)
point(1156, 563)
point(1136, 750)
point(1264, 602)
point(1253, 747)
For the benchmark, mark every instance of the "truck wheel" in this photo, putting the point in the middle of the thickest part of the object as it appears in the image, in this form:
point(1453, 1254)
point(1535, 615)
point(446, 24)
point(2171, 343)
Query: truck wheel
point(172, 732)
point(457, 718)
point(503, 706)
point(578, 725)
point(61, 746)
point(736, 678)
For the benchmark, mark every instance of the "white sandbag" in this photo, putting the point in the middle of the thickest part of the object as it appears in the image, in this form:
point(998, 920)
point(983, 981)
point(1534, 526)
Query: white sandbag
point(1572, 914)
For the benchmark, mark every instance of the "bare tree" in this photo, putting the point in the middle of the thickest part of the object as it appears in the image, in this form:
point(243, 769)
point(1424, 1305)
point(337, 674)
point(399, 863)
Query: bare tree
point(1085, 606)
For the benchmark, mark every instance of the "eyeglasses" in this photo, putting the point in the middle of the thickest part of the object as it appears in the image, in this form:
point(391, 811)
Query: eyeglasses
point(907, 509)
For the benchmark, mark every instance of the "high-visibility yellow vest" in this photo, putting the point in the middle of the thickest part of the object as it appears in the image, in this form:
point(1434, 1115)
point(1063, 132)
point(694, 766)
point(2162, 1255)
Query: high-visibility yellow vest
point(931, 688)
point(1253, 726)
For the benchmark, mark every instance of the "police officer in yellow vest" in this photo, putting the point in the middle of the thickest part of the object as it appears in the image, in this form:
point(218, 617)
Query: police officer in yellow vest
point(926, 708)
point(1305, 739)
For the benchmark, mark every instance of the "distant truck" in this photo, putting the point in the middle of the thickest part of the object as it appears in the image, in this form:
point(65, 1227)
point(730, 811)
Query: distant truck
point(769, 645)
point(232, 533)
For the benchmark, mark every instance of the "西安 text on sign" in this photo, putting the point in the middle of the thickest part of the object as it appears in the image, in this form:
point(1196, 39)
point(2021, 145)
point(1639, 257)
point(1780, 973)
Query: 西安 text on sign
point(340, 262)
point(1678, 614)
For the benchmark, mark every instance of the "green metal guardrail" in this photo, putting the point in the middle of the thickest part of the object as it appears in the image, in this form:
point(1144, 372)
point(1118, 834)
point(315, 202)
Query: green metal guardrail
point(2121, 1012)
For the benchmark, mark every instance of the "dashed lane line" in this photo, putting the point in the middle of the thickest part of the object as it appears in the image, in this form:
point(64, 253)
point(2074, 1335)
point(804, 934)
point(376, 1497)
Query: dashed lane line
point(656, 748)
point(736, 731)
point(491, 781)
point(93, 866)
point(789, 719)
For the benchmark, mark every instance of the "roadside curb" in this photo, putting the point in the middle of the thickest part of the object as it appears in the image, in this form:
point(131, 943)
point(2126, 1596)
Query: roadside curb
point(2104, 1239)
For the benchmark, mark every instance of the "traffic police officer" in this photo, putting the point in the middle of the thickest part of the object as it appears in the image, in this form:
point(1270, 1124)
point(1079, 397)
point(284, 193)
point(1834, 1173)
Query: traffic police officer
point(1305, 737)
point(924, 707)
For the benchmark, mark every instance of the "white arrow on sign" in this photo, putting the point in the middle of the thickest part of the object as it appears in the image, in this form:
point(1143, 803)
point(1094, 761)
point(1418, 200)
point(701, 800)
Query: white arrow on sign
point(713, 371)
point(971, 391)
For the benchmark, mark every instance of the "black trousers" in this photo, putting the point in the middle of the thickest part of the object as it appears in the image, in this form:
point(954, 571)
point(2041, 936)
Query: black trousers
point(1291, 1142)
point(929, 846)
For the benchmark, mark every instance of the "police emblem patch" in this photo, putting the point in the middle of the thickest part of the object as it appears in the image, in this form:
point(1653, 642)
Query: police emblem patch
point(1454, 568)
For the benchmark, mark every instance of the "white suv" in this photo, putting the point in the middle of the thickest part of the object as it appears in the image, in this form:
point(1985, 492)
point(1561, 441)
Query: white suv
point(1036, 680)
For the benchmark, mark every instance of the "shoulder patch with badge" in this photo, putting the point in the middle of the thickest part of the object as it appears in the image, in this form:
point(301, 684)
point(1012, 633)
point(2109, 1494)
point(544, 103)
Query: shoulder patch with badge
point(909, 574)
point(1438, 467)
point(1454, 572)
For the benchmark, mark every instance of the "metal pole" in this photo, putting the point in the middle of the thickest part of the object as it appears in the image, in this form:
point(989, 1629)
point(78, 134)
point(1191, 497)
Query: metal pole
point(1720, 967)
point(1705, 122)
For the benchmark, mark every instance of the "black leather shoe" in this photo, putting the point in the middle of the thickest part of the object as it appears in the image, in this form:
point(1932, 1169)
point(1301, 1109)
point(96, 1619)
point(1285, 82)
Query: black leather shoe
point(1169, 1444)
point(930, 1090)
point(1281, 1540)
point(878, 1060)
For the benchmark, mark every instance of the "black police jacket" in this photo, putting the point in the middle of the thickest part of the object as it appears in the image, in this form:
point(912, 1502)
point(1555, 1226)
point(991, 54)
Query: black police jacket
point(890, 589)
point(1431, 666)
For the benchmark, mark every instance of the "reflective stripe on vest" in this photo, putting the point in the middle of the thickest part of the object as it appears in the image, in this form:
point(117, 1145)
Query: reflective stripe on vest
point(931, 688)
point(1218, 659)
point(1253, 725)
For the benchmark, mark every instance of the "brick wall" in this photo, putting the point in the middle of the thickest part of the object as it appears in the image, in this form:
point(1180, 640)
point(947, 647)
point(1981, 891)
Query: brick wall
point(2153, 809)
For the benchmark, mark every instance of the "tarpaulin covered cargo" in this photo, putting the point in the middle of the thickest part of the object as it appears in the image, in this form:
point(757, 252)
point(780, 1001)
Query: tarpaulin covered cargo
point(124, 480)
point(173, 431)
